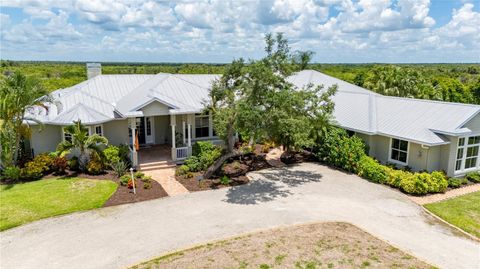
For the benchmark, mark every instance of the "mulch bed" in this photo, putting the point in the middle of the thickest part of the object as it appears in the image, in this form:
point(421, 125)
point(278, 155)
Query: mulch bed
point(235, 168)
point(124, 195)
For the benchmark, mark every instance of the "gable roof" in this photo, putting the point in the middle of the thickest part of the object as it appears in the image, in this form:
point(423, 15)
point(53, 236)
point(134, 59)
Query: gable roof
point(107, 97)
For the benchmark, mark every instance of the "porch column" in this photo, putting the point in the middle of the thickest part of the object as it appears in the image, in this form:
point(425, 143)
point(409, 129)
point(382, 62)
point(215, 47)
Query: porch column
point(172, 124)
point(183, 131)
point(189, 135)
point(133, 127)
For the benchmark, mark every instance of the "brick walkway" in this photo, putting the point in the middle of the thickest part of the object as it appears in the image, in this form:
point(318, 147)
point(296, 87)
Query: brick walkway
point(156, 162)
point(444, 196)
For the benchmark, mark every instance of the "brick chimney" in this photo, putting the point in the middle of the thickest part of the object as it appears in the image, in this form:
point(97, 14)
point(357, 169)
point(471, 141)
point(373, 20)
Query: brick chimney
point(93, 70)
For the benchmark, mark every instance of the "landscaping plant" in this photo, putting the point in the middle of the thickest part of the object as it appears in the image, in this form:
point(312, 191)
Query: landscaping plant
point(119, 168)
point(473, 177)
point(11, 173)
point(84, 143)
point(224, 180)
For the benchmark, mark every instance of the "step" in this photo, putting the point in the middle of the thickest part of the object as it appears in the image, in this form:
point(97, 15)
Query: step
point(156, 163)
point(156, 166)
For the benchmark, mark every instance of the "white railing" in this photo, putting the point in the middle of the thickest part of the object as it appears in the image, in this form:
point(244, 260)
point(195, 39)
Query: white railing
point(182, 153)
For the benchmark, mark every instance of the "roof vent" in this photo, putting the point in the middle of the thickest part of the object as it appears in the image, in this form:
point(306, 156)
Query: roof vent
point(93, 70)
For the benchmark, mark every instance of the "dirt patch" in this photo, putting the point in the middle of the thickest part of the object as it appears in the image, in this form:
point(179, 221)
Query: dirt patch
point(124, 195)
point(323, 245)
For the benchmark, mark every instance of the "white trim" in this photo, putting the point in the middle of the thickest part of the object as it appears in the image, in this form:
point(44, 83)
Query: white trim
point(149, 139)
point(390, 152)
point(465, 147)
point(95, 129)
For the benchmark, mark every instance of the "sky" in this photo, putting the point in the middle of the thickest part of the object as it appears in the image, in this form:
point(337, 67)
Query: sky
point(337, 31)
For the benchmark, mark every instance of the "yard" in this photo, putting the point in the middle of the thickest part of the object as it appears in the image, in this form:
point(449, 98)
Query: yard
point(322, 245)
point(26, 202)
point(463, 212)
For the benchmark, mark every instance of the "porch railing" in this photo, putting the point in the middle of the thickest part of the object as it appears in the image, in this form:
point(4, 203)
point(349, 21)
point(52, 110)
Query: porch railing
point(179, 154)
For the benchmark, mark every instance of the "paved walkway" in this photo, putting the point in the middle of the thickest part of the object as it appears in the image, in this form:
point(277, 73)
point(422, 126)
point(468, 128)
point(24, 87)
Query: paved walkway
point(444, 196)
point(116, 237)
point(166, 177)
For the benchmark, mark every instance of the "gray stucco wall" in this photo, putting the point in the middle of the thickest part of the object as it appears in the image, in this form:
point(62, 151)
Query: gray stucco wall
point(431, 158)
point(116, 132)
point(163, 131)
point(45, 139)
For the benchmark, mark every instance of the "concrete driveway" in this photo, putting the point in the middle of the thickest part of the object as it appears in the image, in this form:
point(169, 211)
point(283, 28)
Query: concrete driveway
point(120, 236)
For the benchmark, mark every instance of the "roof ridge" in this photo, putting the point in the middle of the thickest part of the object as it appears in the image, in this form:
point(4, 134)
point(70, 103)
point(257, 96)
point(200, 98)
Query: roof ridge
point(430, 101)
point(175, 75)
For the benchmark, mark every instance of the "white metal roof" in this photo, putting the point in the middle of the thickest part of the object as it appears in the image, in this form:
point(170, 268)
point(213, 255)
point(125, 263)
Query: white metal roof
point(106, 97)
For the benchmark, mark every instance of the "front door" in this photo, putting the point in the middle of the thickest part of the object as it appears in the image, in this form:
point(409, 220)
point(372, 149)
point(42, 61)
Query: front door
point(140, 122)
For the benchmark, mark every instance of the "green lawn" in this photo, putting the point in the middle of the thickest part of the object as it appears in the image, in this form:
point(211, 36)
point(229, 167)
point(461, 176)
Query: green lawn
point(463, 212)
point(27, 202)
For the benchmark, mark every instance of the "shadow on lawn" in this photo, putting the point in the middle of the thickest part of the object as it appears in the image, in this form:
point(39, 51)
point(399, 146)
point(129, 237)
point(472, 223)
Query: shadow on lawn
point(275, 183)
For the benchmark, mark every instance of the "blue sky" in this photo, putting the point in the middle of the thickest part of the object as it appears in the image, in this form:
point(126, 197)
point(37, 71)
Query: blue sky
point(339, 31)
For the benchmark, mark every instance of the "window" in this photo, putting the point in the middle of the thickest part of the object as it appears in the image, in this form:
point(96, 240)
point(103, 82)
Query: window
point(399, 151)
point(66, 136)
point(99, 130)
point(202, 125)
point(467, 153)
point(148, 124)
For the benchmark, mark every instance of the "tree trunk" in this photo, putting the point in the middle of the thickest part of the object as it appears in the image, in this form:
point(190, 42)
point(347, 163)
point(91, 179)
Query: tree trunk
point(230, 138)
point(219, 162)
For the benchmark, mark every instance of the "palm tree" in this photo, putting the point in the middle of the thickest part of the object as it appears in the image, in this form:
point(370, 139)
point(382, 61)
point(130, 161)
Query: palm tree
point(18, 94)
point(81, 141)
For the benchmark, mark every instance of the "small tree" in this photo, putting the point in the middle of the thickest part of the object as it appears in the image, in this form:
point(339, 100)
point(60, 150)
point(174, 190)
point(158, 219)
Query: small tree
point(81, 141)
point(18, 94)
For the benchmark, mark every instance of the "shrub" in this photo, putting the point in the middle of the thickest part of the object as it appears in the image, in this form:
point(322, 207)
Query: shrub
point(124, 154)
point(182, 170)
point(73, 164)
point(189, 175)
point(202, 146)
point(193, 164)
point(130, 183)
point(94, 165)
point(414, 184)
point(457, 182)
point(111, 154)
point(138, 174)
point(225, 180)
point(340, 150)
point(147, 185)
point(31, 171)
point(439, 182)
point(370, 169)
point(11, 173)
point(119, 168)
point(146, 179)
point(124, 180)
point(44, 161)
point(60, 164)
point(474, 177)
point(394, 177)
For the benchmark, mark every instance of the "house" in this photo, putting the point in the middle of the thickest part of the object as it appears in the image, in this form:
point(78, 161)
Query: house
point(168, 109)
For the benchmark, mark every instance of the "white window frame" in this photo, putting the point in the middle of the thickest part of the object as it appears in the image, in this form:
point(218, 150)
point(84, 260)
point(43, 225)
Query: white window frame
point(64, 134)
point(463, 158)
point(203, 116)
point(391, 149)
point(95, 129)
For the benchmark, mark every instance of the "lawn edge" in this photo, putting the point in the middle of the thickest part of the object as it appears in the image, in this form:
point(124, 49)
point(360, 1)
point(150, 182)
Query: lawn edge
point(467, 234)
point(284, 226)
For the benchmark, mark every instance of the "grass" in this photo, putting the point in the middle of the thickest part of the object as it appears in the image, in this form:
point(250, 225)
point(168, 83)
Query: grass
point(26, 202)
point(321, 245)
point(462, 211)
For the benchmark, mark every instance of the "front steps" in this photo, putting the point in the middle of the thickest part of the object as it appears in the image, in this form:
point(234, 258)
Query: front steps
point(156, 166)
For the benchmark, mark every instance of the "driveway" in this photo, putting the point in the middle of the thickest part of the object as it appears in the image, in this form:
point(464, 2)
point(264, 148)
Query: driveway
point(120, 236)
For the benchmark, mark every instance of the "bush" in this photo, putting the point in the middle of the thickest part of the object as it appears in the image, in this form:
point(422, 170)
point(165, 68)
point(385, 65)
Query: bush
point(204, 155)
point(94, 165)
point(340, 150)
point(457, 182)
point(60, 164)
point(138, 174)
point(423, 183)
point(193, 164)
point(202, 146)
point(473, 177)
point(394, 177)
point(225, 180)
point(370, 169)
point(73, 164)
point(124, 180)
point(11, 173)
point(31, 171)
point(146, 179)
point(124, 154)
point(438, 183)
point(111, 154)
point(119, 168)
point(182, 170)
point(147, 185)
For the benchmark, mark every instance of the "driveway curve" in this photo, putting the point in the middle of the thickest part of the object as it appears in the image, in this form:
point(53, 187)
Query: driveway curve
point(117, 237)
